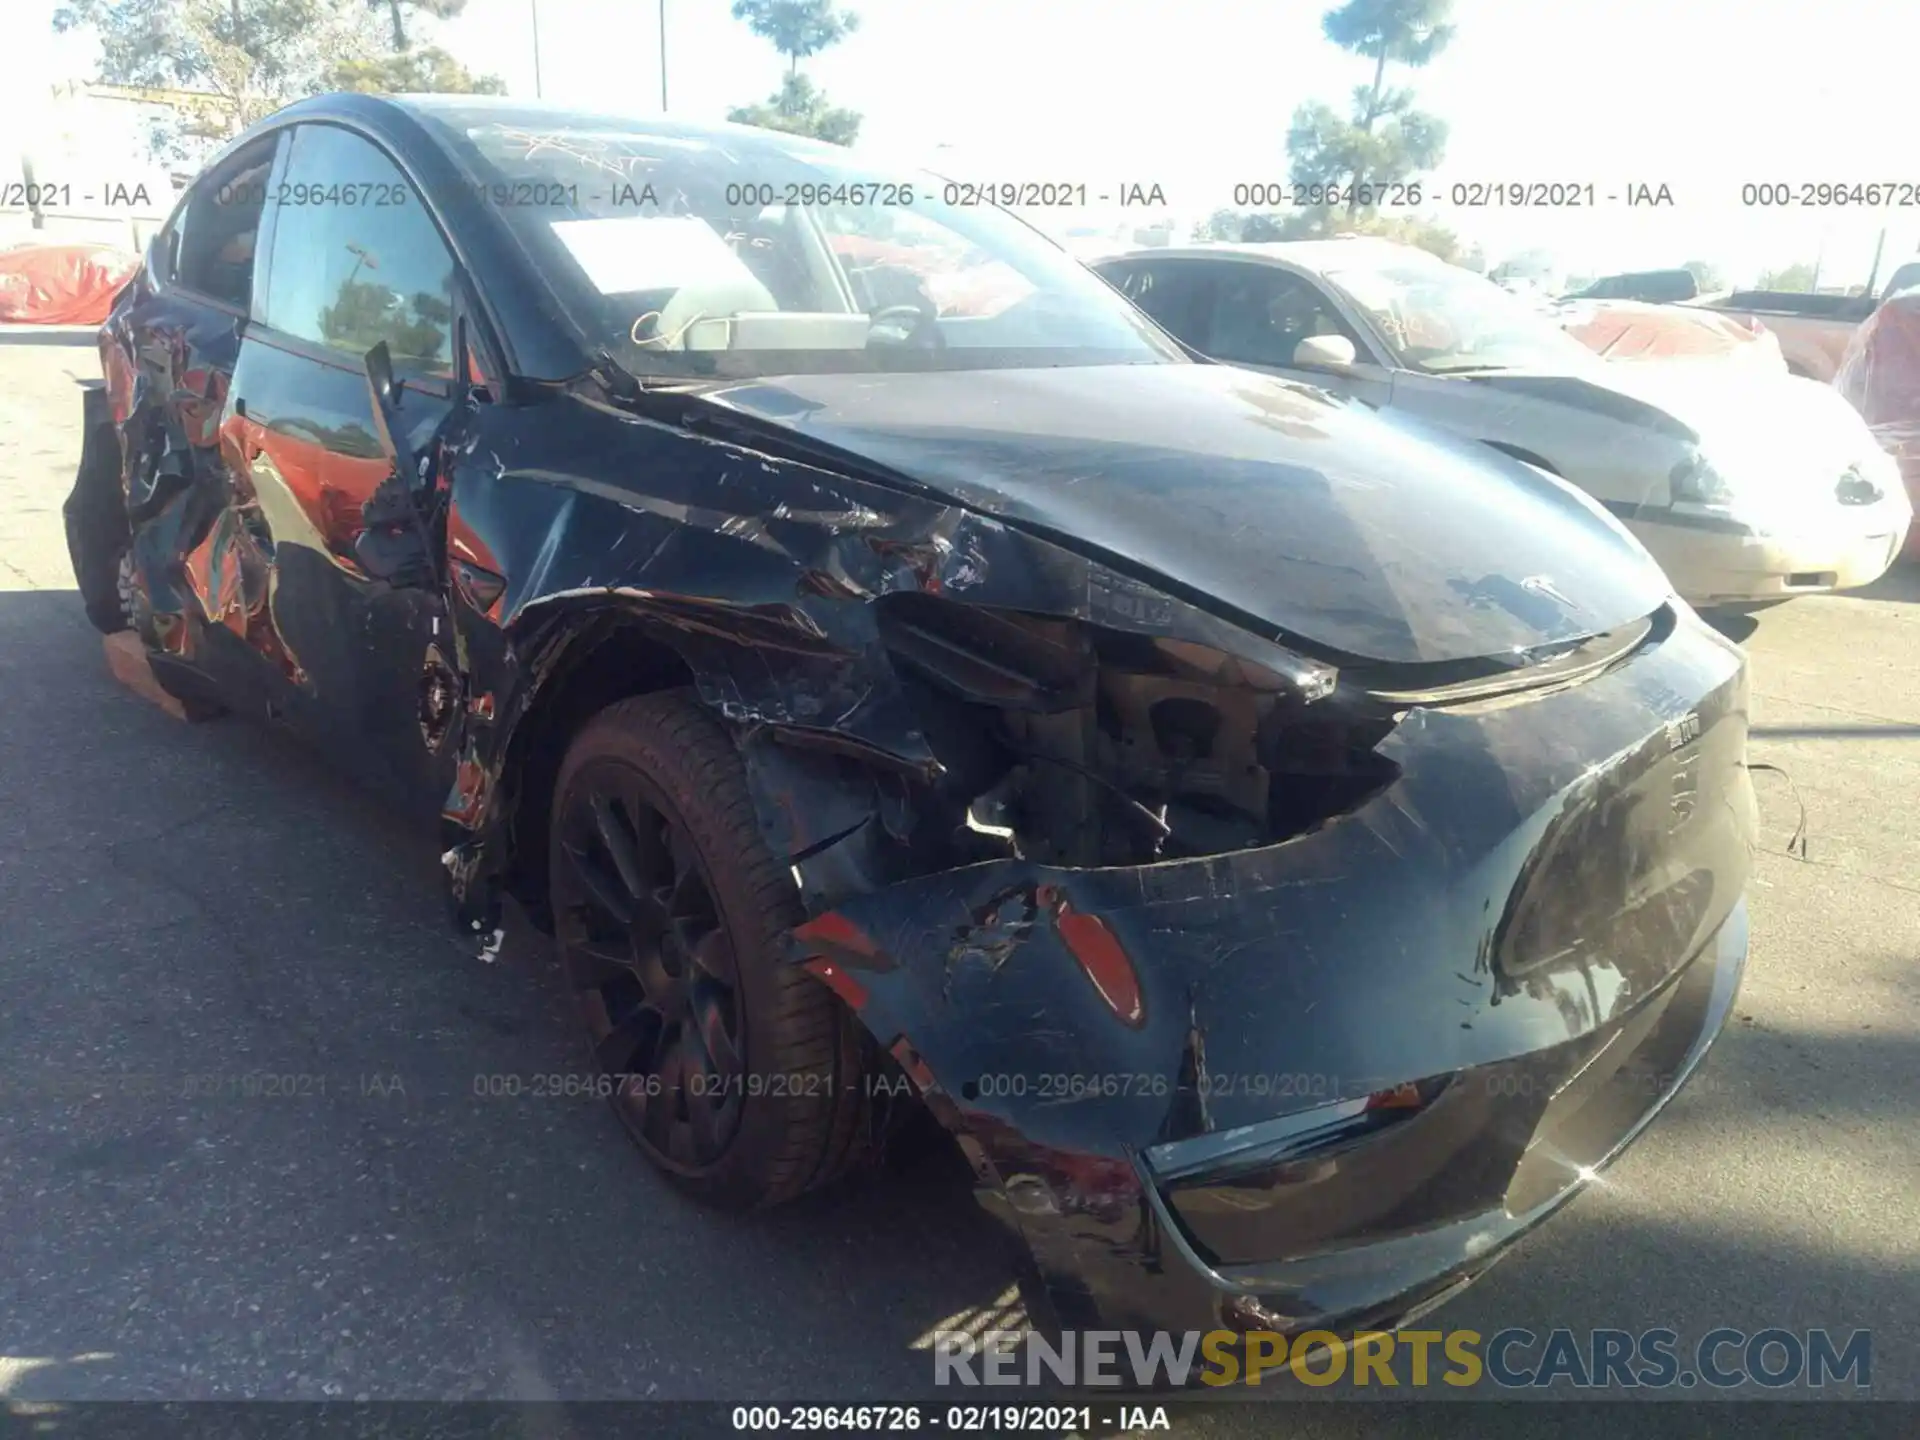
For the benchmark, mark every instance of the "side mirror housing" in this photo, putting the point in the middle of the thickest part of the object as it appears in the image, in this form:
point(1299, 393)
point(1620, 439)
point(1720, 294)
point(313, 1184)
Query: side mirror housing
point(160, 253)
point(1325, 352)
point(384, 391)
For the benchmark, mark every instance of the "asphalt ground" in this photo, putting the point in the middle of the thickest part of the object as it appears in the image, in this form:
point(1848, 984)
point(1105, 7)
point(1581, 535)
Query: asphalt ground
point(182, 906)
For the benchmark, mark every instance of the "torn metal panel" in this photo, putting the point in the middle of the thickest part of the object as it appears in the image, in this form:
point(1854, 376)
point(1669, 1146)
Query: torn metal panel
point(1274, 957)
point(763, 574)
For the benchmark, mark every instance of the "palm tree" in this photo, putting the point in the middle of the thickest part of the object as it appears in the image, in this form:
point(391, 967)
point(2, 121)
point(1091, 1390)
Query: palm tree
point(797, 28)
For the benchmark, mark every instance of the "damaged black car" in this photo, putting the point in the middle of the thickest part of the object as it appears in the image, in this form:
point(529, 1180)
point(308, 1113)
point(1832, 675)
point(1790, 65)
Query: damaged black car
point(1288, 850)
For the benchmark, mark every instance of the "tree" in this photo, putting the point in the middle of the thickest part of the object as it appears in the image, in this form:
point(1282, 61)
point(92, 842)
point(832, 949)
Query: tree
point(1706, 276)
point(1387, 141)
point(439, 9)
point(798, 29)
point(1794, 277)
point(799, 109)
point(429, 70)
point(255, 56)
point(194, 44)
point(1220, 225)
point(364, 313)
point(1409, 31)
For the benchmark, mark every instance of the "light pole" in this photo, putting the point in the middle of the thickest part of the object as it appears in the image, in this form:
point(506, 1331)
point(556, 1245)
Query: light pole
point(534, 7)
point(663, 57)
point(1878, 250)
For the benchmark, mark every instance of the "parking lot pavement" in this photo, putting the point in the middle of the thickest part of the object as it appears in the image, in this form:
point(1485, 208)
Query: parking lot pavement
point(184, 905)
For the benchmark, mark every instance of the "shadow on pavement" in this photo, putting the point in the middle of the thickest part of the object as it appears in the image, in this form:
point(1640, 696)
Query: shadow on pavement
point(188, 903)
point(1902, 582)
point(86, 339)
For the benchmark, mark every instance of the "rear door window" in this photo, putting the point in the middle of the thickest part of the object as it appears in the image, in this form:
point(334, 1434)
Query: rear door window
point(212, 242)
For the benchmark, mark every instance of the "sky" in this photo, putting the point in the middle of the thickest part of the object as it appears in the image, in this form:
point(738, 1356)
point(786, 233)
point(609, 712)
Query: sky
point(1701, 96)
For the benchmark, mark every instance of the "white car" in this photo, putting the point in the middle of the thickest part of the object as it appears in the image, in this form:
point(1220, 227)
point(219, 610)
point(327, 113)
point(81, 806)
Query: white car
point(1746, 488)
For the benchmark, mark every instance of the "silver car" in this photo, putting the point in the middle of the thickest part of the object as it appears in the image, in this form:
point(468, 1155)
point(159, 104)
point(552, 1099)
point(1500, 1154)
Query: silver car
point(1746, 489)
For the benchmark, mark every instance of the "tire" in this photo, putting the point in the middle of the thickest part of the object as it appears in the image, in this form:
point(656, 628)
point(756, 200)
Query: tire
point(736, 1073)
point(98, 540)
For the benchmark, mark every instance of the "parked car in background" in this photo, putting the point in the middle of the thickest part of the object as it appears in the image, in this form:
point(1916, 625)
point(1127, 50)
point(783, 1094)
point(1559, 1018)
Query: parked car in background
point(1880, 376)
point(1814, 330)
point(1290, 851)
point(1629, 331)
point(1744, 494)
point(1652, 286)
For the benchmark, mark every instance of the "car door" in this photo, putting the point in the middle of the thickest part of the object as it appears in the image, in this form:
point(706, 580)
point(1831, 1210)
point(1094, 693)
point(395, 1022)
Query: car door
point(196, 562)
point(1258, 315)
point(356, 260)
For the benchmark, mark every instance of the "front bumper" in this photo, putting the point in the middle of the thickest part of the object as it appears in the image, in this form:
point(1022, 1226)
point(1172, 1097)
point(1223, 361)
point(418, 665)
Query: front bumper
point(1572, 1110)
point(1540, 879)
point(1714, 563)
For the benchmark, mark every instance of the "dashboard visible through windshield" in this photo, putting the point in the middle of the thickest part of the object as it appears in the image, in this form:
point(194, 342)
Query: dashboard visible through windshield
point(1445, 321)
point(686, 256)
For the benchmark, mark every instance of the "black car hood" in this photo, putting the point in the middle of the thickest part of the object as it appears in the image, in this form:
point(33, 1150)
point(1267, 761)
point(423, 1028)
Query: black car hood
point(1348, 530)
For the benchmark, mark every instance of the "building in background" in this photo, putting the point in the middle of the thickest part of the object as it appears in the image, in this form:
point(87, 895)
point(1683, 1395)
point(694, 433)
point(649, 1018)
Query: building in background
point(78, 157)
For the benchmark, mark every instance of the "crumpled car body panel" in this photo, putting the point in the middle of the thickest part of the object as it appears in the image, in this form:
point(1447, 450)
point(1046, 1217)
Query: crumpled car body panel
point(1880, 376)
point(1064, 1020)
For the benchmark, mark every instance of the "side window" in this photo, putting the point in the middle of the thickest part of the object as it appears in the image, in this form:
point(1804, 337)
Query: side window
point(356, 259)
point(1171, 293)
point(1261, 314)
point(213, 238)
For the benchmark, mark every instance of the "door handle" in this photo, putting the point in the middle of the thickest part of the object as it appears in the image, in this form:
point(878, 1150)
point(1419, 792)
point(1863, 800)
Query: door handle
point(248, 441)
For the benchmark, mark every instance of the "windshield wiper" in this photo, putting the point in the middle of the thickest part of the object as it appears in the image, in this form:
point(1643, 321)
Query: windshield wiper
point(1465, 369)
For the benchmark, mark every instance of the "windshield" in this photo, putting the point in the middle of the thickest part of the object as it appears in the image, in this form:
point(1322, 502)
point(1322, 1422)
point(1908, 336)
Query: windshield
point(1445, 320)
point(740, 253)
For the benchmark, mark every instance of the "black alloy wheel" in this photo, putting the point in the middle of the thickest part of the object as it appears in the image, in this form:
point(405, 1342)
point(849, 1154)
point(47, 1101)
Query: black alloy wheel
point(653, 966)
point(737, 1073)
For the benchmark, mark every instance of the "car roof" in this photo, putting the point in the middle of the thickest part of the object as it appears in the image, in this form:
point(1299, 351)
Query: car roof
point(437, 115)
point(1320, 256)
point(536, 115)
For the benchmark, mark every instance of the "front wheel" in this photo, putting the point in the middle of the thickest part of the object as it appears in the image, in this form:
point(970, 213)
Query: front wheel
point(734, 1071)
